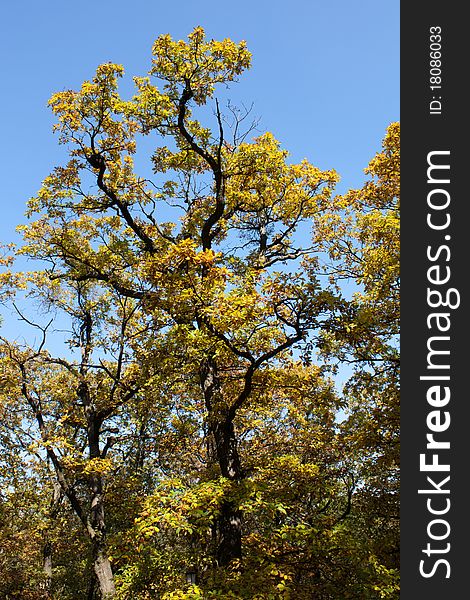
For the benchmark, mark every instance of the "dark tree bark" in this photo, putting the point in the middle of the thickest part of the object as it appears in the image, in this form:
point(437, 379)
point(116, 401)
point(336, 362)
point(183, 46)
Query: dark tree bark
point(223, 451)
point(229, 521)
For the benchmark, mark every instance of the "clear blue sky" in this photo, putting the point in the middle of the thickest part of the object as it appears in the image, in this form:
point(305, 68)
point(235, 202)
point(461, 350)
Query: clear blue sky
point(325, 76)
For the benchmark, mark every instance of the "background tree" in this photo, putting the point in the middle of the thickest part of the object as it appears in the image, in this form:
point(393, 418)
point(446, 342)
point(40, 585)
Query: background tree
point(68, 411)
point(362, 239)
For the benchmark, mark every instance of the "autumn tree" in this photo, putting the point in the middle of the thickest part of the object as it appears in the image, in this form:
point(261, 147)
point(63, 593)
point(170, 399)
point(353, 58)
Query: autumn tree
point(361, 235)
point(200, 311)
point(211, 277)
point(68, 410)
point(295, 498)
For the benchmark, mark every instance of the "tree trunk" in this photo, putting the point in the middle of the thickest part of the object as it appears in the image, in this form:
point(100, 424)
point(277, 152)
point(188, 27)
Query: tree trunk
point(101, 562)
point(47, 568)
point(222, 450)
point(47, 544)
point(229, 525)
point(229, 522)
point(103, 571)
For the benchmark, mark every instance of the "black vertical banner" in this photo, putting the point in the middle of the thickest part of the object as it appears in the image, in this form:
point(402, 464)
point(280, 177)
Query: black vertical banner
point(435, 413)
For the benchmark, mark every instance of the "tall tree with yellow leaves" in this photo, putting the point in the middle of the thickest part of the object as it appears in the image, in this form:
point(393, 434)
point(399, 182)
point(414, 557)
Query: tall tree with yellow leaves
point(198, 311)
point(209, 279)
